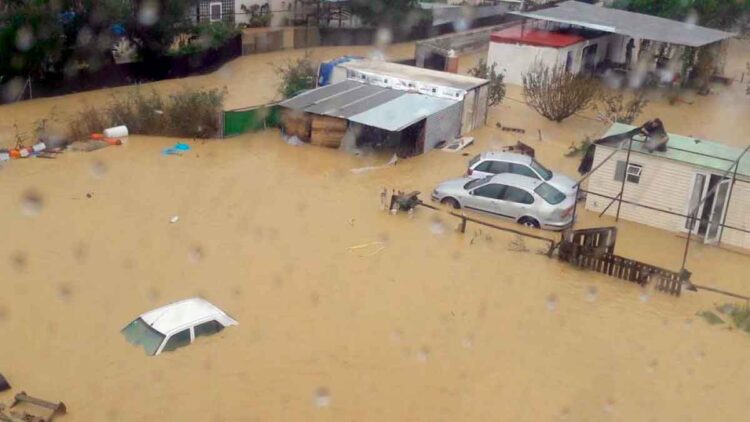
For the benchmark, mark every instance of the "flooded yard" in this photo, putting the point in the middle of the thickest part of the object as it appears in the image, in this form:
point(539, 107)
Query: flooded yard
point(345, 311)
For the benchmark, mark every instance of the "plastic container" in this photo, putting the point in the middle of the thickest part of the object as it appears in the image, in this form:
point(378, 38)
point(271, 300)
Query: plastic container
point(24, 152)
point(4, 156)
point(39, 147)
point(97, 136)
point(14, 153)
point(116, 132)
point(112, 141)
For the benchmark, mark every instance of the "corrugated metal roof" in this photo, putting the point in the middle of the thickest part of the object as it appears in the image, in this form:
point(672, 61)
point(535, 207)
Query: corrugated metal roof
point(343, 99)
point(402, 71)
point(402, 112)
point(636, 25)
point(693, 151)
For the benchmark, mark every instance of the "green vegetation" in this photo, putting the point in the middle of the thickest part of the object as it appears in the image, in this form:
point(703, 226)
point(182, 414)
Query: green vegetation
point(496, 91)
point(190, 113)
point(614, 106)
point(556, 93)
point(738, 316)
point(296, 76)
point(388, 13)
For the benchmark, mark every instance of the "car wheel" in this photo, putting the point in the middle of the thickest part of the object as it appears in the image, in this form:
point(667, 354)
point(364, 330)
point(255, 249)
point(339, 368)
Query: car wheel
point(451, 202)
point(529, 222)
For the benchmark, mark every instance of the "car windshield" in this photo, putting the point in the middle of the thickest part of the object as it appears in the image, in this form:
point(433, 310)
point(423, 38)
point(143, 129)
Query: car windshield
point(476, 182)
point(474, 161)
point(550, 194)
point(541, 170)
point(141, 334)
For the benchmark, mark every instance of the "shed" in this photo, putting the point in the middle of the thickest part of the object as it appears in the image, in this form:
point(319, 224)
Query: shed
point(352, 113)
point(585, 38)
point(469, 91)
point(661, 188)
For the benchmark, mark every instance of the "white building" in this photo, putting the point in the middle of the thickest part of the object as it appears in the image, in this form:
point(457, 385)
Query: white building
point(662, 187)
point(586, 38)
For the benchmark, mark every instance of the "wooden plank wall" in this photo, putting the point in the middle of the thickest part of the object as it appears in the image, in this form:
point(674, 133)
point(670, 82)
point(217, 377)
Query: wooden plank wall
point(327, 131)
point(296, 123)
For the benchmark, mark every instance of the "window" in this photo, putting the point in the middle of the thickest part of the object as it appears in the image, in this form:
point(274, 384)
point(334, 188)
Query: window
point(214, 11)
point(633, 172)
point(491, 191)
point(178, 340)
point(569, 62)
point(207, 328)
point(477, 182)
point(473, 160)
point(523, 170)
point(549, 194)
point(520, 196)
point(483, 166)
point(142, 334)
point(498, 167)
point(541, 170)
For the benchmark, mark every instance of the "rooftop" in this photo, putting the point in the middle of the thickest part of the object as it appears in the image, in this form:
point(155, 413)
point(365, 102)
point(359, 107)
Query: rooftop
point(689, 150)
point(414, 73)
point(632, 24)
point(541, 38)
point(179, 314)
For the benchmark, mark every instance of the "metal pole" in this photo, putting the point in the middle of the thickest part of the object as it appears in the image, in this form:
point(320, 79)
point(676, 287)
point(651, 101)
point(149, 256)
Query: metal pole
point(690, 232)
point(31, 93)
point(729, 202)
point(624, 177)
point(575, 205)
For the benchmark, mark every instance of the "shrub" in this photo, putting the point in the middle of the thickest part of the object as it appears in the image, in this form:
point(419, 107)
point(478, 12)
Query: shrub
point(296, 76)
point(496, 91)
point(190, 113)
point(555, 93)
point(615, 108)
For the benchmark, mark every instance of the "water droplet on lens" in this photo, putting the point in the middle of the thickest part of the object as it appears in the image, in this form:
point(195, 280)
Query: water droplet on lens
point(423, 354)
point(98, 169)
point(552, 302)
point(591, 293)
point(322, 397)
point(32, 203)
point(195, 254)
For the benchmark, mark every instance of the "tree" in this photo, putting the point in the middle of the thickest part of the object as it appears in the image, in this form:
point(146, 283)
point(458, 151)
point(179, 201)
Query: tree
point(296, 76)
point(393, 14)
point(555, 93)
point(496, 91)
point(614, 107)
point(30, 38)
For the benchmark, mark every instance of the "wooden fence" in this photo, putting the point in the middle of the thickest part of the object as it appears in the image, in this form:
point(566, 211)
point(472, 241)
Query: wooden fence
point(593, 249)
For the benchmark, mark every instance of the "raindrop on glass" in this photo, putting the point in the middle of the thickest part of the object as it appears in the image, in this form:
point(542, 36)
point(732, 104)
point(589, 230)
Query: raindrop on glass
point(24, 38)
point(552, 302)
point(65, 291)
point(19, 260)
point(423, 354)
point(98, 169)
point(644, 297)
point(437, 227)
point(322, 397)
point(31, 203)
point(148, 14)
point(591, 293)
point(195, 254)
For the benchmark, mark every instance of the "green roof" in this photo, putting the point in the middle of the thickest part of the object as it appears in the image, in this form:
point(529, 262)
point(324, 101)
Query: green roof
point(693, 151)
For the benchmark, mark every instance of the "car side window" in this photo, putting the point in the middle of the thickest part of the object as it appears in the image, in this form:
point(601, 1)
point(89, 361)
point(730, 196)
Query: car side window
point(523, 170)
point(207, 328)
point(177, 340)
point(484, 166)
point(498, 167)
point(520, 196)
point(491, 191)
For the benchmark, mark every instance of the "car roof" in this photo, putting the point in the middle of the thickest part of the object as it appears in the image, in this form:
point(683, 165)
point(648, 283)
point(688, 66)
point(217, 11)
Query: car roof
point(177, 315)
point(516, 180)
point(512, 157)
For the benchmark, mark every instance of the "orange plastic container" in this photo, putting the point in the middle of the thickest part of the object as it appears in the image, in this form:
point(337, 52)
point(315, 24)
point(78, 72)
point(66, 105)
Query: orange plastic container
point(111, 141)
point(97, 136)
point(14, 153)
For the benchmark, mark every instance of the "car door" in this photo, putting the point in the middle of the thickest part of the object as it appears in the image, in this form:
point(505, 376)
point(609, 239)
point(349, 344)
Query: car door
point(177, 340)
point(486, 199)
point(490, 168)
point(517, 203)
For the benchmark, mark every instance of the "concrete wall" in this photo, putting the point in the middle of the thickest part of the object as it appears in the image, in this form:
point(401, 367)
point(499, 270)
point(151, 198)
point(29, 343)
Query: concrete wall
point(516, 59)
point(443, 126)
point(280, 9)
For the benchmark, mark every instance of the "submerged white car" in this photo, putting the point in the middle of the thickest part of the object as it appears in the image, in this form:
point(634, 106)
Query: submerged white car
point(176, 325)
point(491, 163)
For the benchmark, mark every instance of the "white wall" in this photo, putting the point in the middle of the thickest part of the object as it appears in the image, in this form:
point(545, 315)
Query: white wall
point(664, 184)
point(738, 215)
point(442, 126)
point(516, 59)
point(279, 8)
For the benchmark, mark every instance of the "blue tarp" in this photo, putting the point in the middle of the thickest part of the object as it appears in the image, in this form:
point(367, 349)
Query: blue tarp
point(326, 68)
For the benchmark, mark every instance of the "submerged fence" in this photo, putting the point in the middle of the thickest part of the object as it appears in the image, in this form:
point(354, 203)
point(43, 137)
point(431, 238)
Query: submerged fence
point(247, 120)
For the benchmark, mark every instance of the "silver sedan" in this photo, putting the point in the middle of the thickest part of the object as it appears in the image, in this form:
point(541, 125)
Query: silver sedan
point(527, 201)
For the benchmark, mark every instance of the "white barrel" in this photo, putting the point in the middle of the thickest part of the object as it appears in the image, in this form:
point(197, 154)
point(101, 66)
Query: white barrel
point(116, 132)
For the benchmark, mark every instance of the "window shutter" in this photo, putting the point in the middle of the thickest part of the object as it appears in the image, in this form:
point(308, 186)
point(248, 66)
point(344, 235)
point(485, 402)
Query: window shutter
point(620, 171)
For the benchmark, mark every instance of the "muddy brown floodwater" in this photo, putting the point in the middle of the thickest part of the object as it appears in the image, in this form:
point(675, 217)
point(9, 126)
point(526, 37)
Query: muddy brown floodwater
point(425, 324)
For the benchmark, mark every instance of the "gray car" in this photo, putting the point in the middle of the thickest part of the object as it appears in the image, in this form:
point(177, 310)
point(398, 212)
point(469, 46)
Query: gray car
point(491, 163)
point(527, 201)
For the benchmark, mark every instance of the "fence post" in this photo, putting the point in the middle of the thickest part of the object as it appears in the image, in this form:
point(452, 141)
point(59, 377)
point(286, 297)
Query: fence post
point(462, 227)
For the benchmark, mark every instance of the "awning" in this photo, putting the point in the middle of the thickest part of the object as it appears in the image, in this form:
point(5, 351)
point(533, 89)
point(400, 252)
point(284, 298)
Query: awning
point(636, 25)
point(402, 112)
